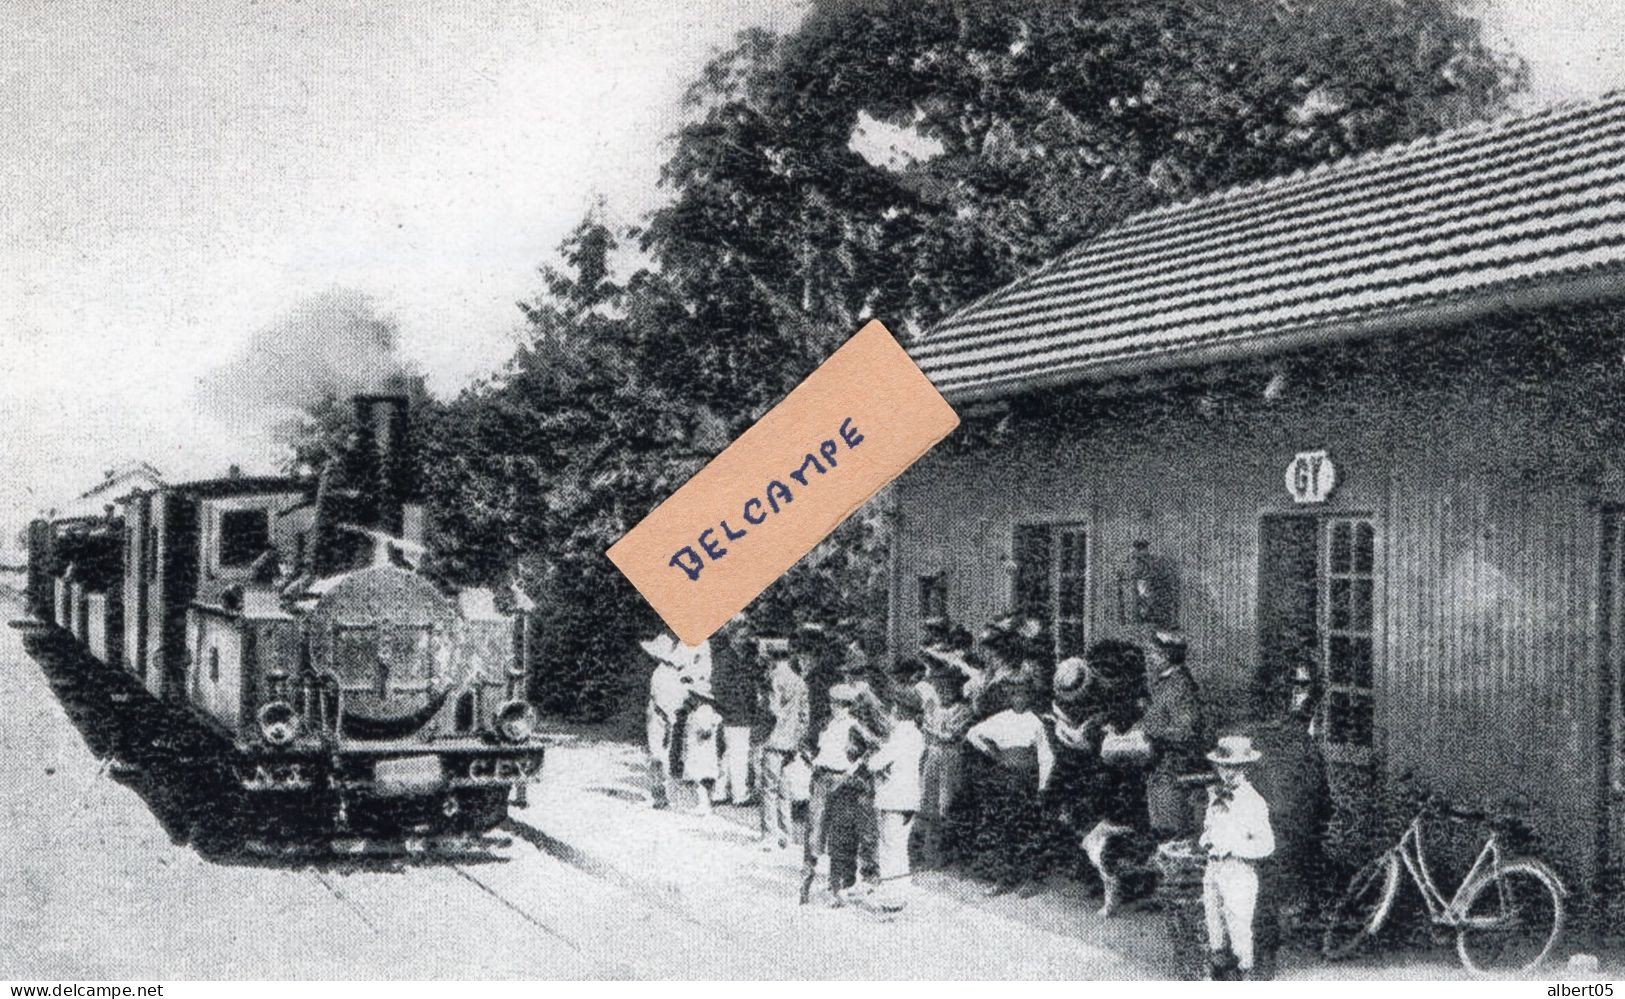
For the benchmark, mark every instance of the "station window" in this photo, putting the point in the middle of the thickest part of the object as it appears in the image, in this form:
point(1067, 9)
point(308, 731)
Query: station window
point(934, 597)
point(244, 535)
point(1052, 581)
point(1348, 630)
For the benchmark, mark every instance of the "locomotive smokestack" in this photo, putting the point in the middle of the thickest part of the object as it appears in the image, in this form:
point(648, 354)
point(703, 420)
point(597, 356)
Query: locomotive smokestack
point(385, 459)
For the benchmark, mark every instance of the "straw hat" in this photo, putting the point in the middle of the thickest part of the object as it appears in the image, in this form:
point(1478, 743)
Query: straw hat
point(1234, 750)
point(694, 658)
point(1070, 677)
point(663, 647)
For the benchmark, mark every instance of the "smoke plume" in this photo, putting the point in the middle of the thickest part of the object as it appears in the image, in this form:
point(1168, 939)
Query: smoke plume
point(332, 343)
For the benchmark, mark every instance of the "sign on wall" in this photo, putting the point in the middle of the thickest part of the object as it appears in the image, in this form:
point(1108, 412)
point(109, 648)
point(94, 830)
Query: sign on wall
point(1311, 477)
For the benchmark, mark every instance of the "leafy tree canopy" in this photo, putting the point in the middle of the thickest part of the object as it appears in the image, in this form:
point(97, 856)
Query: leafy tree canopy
point(1041, 123)
point(1023, 126)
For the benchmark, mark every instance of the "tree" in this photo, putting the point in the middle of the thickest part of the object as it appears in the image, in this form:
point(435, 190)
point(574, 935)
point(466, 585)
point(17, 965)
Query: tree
point(1034, 124)
point(1043, 122)
point(1028, 125)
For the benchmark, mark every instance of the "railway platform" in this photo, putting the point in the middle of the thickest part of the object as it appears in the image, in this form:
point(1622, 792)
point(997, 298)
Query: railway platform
point(115, 874)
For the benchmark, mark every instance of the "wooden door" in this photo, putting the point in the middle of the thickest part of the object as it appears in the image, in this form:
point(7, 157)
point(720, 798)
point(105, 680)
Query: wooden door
point(1288, 609)
point(1052, 582)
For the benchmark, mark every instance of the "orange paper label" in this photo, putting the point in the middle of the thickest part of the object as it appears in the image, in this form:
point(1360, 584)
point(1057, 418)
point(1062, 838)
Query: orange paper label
point(849, 428)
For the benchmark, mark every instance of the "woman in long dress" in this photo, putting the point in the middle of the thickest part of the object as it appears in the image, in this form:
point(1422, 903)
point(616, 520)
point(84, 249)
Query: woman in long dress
point(679, 670)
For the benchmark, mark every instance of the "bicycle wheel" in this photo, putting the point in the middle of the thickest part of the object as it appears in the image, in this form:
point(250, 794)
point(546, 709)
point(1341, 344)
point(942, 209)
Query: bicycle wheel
point(1360, 912)
point(1510, 919)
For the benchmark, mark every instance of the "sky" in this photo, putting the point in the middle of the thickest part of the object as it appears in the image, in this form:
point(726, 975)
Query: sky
point(179, 187)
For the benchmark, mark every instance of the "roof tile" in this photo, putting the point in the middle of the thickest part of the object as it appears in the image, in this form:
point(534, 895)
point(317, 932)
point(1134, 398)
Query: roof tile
point(1534, 198)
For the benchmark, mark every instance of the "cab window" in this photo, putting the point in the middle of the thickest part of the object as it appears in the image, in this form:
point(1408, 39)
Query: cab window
point(244, 535)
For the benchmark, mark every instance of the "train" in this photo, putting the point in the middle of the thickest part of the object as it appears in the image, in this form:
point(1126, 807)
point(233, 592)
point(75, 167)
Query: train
point(289, 615)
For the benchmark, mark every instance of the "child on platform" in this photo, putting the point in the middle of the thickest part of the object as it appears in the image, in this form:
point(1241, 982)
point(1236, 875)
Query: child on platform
point(836, 811)
point(896, 769)
point(1237, 835)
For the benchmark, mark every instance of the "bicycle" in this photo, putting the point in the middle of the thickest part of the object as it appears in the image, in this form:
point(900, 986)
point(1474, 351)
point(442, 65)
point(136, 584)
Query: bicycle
point(1507, 913)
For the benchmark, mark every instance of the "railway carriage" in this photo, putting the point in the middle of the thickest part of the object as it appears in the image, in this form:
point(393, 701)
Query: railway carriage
point(288, 616)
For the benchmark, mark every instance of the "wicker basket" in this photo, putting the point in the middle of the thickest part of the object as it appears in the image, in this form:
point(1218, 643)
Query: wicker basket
point(1179, 864)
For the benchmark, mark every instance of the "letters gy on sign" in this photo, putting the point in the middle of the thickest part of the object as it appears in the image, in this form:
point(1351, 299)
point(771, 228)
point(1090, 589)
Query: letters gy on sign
point(1311, 477)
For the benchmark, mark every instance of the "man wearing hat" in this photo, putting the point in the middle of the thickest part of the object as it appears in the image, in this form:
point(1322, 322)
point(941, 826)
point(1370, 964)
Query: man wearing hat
point(667, 695)
point(1174, 724)
point(735, 677)
point(1010, 642)
point(946, 717)
point(680, 670)
point(857, 673)
point(817, 660)
point(1075, 723)
point(1236, 835)
point(785, 705)
point(841, 795)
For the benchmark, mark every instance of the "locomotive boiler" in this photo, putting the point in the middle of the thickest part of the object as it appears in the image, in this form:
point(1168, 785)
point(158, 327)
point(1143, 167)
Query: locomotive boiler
point(290, 616)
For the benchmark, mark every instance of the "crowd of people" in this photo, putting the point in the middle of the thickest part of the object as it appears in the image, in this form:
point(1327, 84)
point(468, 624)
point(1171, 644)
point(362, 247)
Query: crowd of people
point(978, 753)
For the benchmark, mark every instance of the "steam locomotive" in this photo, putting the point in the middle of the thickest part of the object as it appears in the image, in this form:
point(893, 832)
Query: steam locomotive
point(288, 616)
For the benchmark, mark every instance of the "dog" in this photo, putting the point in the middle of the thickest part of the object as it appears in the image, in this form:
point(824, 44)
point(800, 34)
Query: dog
point(1121, 854)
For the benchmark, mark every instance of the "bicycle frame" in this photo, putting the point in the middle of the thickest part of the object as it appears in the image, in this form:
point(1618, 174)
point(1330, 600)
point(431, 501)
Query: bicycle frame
point(1500, 899)
point(1445, 913)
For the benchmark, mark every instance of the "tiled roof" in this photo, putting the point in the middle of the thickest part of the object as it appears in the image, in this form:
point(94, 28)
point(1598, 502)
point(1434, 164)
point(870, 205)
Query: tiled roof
point(1526, 201)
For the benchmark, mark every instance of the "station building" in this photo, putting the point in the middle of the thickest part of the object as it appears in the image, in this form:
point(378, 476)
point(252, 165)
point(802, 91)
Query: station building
point(1362, 422)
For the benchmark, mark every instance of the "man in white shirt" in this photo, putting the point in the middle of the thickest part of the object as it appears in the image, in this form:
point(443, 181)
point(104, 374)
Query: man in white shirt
point(667, 694)
point(1236, 834)
point(947, 716)
point(840, 803)
point(896, 768)
point(787, 710)
point(1010, 840)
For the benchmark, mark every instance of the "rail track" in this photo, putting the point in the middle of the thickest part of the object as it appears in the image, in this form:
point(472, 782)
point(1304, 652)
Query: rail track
point(359, 883)
point(518, 878)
